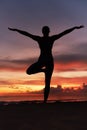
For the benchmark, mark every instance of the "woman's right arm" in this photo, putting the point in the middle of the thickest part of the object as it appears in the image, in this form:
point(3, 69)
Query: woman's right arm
point(34, 37)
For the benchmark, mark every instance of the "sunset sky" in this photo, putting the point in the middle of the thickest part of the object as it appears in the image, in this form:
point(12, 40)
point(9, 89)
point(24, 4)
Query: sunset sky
point(17, 52)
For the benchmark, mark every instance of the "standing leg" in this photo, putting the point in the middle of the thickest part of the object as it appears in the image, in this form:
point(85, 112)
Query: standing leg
point(48, 75)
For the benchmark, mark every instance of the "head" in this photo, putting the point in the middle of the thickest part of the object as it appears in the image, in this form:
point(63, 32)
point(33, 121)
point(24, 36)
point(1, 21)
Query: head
point(45, 30)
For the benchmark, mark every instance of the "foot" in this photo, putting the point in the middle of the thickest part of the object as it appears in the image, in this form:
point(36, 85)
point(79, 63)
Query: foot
point(44, 102)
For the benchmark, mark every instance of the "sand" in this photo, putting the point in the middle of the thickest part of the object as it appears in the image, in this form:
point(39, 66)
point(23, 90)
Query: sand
point(39, 116)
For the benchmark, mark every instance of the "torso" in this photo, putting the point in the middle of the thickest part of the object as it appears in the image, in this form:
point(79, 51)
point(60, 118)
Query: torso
point(45, 44)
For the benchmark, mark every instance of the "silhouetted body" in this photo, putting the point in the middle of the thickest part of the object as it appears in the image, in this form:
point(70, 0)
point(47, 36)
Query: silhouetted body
point(45, 62)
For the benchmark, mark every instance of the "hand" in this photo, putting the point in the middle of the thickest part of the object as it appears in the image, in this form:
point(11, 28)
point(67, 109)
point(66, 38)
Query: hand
point(78, 27)
point(12, 29)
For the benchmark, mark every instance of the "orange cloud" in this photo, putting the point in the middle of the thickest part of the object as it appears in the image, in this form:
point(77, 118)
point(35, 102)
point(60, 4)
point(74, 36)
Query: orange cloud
point(72, 66)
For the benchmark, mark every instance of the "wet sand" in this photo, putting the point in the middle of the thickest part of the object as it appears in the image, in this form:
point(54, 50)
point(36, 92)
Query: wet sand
point(39, 116)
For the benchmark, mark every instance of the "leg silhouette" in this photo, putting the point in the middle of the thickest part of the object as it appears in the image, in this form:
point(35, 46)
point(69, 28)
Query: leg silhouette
point(48, 75)
point(35, 68)
point(38, 67)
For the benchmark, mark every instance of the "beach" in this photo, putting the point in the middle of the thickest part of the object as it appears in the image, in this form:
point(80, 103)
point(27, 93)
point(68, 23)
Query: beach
point(40, 116)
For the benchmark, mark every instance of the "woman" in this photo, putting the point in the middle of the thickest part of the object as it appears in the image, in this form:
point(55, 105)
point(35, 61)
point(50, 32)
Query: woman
point(45, 62)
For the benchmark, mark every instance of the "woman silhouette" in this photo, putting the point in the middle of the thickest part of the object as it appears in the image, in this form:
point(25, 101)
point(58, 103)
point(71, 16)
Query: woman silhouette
point(45, 62)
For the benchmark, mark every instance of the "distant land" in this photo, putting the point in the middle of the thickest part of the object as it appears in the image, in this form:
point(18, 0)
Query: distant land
point(56, 94)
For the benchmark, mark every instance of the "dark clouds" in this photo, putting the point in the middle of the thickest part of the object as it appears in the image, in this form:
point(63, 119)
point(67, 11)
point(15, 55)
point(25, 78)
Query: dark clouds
point(78, 48)
point(15, 64)
point(68, 58)
point(78, 54)
point(8, 63)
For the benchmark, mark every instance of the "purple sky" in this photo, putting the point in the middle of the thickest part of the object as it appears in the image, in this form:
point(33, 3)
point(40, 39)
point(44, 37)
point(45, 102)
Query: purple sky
point(31, 16)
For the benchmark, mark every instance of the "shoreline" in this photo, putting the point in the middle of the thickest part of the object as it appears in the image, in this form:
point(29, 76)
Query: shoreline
point(27, 102)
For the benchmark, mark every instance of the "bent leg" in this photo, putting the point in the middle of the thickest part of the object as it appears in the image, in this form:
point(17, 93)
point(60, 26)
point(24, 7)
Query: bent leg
point(34, 68)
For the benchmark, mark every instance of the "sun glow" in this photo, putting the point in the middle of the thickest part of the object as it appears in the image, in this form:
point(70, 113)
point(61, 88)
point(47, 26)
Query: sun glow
point(20, 89)
point(71, 85)
point(30, 88)
point(20, 82)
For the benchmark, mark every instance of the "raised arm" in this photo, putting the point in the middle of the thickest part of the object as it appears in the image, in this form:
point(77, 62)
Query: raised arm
point(57, 36)
point(34, 37)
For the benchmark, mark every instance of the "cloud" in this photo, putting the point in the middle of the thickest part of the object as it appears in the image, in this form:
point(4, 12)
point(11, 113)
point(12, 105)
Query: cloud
point(72, 52)
point(17, 61)
point(77, 56)
point(80, 48)
point(3, 82)
point(60, 91)
point(15, 64)
point(63, 62)
point(68, 58)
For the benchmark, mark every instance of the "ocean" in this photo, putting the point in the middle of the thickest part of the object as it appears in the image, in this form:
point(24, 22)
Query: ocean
point(33, 97)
